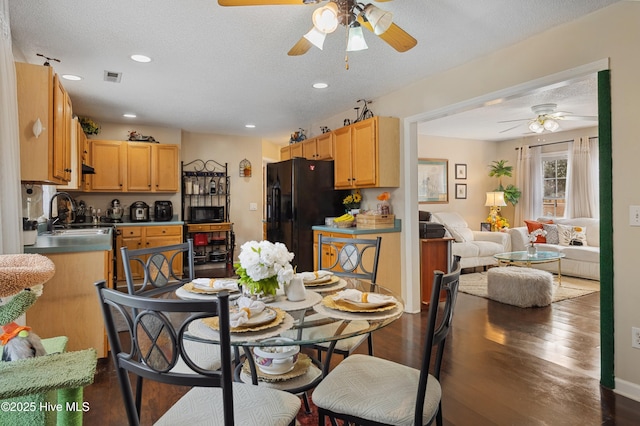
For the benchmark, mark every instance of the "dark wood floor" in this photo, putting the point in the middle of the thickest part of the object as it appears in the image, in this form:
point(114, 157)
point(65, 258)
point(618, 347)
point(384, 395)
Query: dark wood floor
point(504, 366)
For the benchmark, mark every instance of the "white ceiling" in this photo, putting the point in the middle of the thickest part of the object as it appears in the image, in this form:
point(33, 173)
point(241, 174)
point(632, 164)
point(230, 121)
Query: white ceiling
point(216, 68)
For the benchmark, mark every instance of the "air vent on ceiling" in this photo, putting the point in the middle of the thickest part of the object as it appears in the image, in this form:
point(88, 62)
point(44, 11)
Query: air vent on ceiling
point(112, 76)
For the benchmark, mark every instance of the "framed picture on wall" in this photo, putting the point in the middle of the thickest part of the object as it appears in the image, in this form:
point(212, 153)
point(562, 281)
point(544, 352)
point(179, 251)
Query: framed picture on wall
point(461, 191)
point(432, 180)
point(461, 171)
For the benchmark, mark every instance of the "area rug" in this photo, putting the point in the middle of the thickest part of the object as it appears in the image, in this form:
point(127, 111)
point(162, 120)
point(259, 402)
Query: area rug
point(476, 284)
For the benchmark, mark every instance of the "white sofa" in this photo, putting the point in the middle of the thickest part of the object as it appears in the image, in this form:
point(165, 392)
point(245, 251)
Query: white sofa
point(474, 247)
point(579, 261)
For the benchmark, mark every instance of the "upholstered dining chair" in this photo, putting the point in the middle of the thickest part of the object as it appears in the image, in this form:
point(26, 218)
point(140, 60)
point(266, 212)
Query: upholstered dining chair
point(154, 344)
point(366, 390)
point(349, 258)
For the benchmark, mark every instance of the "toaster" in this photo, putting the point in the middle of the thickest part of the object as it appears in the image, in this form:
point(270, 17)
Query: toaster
point(163, 211)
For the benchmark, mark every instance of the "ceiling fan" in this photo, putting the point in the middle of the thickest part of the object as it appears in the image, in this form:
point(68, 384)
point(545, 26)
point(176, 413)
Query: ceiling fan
point(547, 118)
point(348, 13)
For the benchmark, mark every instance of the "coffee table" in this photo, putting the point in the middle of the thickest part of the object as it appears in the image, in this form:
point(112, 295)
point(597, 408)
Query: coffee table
point(522, 258)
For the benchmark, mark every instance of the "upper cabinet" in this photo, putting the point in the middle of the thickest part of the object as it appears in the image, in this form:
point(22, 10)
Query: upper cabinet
point(79, 156)
point(318, 148)
point(45, 120)
point(134, 166)
point(367, 154)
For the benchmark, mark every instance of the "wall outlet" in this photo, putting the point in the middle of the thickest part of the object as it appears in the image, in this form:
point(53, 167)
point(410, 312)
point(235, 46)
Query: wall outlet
point(635, 337)
point(634, 215)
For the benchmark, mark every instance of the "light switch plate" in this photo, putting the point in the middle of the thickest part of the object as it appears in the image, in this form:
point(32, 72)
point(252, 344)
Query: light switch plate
point(253, 206)
point(634, 215)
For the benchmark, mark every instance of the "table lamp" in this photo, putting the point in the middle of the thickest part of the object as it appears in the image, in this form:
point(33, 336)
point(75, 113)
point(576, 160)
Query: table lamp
point(494, 201)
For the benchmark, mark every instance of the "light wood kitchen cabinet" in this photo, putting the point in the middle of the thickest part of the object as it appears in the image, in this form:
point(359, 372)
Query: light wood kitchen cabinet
point(109, 159)
point(291, 151)
point(69, 305)
point(367, 154)
point(318, 148)
point(285, 153)
point(134, 167)
point(45, 158)
point(138, 237)
point(79, 156)
point(389, 273)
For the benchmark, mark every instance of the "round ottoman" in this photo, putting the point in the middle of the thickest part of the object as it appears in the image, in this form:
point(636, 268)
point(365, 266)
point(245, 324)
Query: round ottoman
point(523, 287)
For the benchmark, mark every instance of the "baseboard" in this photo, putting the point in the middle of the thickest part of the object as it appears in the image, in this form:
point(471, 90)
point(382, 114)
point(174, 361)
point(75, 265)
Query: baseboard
point(627, 389)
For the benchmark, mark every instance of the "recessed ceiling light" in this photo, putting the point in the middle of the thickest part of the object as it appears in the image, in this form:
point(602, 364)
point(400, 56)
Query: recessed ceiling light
point(128, 115)
point(320, 85)
point(141, 58)
point(71, 77)
point(250, 126)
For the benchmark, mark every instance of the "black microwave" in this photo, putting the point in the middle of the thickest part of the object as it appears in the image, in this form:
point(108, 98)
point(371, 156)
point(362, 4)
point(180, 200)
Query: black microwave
point(206, 214)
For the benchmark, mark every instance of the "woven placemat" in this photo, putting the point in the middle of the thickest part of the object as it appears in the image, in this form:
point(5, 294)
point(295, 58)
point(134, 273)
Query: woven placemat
point(299, 368)
point(214, 323)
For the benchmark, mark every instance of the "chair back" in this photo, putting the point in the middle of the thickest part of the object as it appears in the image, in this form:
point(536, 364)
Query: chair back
point(155, 342)
point(438, 328)
point(158, 267)
point(349, 257)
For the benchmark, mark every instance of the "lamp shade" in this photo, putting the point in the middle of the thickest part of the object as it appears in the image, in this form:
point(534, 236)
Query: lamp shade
point(551, 125)
point(495, 199)
point(325, 18)
point(379, 19)
point(316, 37)
point(356, 38)
point(536, 126)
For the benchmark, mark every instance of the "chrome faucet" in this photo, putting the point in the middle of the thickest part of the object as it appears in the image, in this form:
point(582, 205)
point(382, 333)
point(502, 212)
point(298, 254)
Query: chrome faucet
point(53, 221)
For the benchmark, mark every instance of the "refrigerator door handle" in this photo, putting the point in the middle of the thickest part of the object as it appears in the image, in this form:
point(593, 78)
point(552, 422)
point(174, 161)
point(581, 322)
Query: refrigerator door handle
point(275, 200)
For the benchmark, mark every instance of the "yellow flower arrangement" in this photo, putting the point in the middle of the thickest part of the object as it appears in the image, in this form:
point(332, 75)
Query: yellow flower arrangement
point(89, 126)
point(501, 222)
point(353, 200)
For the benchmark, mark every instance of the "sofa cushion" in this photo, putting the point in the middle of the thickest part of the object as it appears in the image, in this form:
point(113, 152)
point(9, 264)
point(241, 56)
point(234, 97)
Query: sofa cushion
point(592, 228)
point(488, 248)
point(465, 250)
point(582, 253)
point(552, 233)
point(570, 235)
point(533, 225)
point(455, 224)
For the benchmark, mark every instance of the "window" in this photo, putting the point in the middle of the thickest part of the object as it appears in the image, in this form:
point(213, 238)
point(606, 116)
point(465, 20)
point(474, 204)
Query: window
point(554, 175)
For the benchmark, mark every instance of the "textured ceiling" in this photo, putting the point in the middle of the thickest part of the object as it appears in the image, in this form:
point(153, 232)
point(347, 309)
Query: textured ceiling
point(216, 68)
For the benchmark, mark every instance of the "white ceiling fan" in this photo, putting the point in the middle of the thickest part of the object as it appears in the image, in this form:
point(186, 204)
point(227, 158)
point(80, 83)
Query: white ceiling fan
point(547, 119)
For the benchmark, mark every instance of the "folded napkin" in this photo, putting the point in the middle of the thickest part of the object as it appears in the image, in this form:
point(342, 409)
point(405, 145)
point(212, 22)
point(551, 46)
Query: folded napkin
point(357, 296)
point(313, 276)
point(215, 283)
point(247, 308)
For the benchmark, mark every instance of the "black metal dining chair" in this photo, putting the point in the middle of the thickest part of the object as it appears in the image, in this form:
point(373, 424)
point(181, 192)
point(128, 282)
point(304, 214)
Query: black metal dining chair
point(152, 344)
point(366, 390)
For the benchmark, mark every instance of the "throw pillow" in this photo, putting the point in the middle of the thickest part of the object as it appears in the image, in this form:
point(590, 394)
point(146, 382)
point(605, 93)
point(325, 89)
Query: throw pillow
point(572, 235)
point(532, 225)
point(552, 233)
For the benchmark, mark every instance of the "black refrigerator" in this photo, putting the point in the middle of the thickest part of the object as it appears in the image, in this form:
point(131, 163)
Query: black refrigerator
point(300, 195)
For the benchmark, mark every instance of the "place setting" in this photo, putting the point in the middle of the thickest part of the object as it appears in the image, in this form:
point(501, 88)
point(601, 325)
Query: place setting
point(208, 288)
point(352, 304)
point(322, 281)
point(249, 320)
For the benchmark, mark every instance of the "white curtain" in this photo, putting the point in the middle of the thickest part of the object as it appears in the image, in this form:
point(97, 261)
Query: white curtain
point(582, 187)
point(528, 178)
point(10, 207)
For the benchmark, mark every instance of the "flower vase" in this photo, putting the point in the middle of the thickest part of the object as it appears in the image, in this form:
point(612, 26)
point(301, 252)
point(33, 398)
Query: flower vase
point(259, 295)
point(532, 250)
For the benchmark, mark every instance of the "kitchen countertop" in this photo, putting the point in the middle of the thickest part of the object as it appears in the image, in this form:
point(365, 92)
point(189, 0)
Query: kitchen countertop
point(71, 244)
point(357, 231)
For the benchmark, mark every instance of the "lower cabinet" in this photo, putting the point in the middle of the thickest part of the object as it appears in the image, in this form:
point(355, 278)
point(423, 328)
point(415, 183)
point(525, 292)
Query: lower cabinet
point(69, 303)
point(389, 272)
point(137, 237)
point(435, 255)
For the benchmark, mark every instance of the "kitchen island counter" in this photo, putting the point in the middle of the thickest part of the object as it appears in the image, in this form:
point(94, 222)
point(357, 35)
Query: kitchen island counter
point(71, 244)
point(359, 231)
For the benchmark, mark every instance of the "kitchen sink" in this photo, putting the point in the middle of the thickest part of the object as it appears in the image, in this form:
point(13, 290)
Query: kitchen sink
point(78, 232)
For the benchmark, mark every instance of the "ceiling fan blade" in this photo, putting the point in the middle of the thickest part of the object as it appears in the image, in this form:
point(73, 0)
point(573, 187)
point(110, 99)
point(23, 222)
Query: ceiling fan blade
point(579, 117)
point(300, 48)
point(258, 2)
point(510, 128)
point(513, 121)
point(395, 36)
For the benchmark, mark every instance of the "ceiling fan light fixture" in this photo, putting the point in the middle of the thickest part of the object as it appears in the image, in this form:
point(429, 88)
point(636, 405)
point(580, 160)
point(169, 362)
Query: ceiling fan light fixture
point(325, 18)
point(551, 125)
point(356, 39)
point(536, 127)
point(316, 37)
point(379, 19)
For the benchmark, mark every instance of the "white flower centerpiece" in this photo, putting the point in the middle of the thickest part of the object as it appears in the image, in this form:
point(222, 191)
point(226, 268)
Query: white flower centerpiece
point(263, 267)
point(533, 237)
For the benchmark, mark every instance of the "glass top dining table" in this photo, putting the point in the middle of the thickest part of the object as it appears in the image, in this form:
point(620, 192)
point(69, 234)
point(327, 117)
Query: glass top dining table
point(316, 319)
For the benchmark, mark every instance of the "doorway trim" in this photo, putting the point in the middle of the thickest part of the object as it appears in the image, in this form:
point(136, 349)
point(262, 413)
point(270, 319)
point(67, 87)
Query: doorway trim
point(411, 258)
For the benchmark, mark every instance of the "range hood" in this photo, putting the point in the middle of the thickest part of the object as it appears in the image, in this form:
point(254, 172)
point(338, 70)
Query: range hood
point(88, 170)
